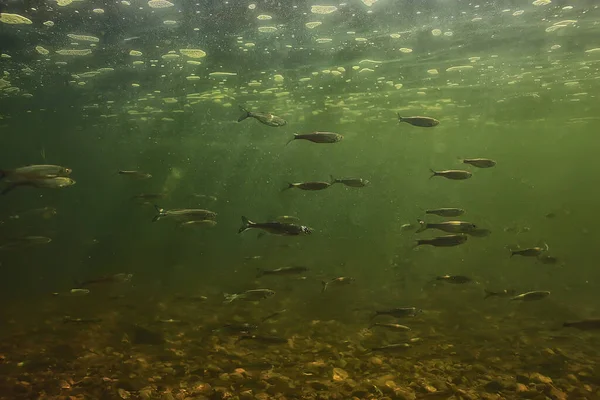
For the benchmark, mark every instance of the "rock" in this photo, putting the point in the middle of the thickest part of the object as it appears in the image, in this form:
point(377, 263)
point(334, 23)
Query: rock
point(554, 393)
point(246, 395)
point(375, 361)
point(339, 375)
point(493, 387)
point(143, 335)
point(404, 394)
point(539, 378)
point(521, 388)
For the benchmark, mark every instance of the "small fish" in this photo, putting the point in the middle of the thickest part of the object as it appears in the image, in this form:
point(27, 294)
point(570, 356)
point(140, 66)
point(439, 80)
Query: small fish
point(424, 122)
point(407, 227)
point(240, 328)
point(454, 174)
point(67, 319)
point(250, 295)
point(317, 185)
point(318, 137)
point(584, 324)
point(479, 232)
point(32, 172)
point(275, 228)
point(25, 241)
point(116, 278)
point(342, 280)
point(194, 298)
point(46, 183)
point(530, 296)
point(73, 292)
point(447, 226)
point(287, 219)
point(253, 258)
point(479, 162)
point(396, 327)
point(273, 315)
point(457, 279)
point(204, 196)
point(446, 212)
point(351, 182)
point(147, 197)
point(548, 260)
point(263, 339)
point(400, 312)
point(135, 174)
point(502, 293)
point(264, 118)
point(204, 223)
point(44, 212)
point(281, 271)
point(392, 347)
point(443, 241)
point(184, 214)
point(171, 321)
point(529, 252)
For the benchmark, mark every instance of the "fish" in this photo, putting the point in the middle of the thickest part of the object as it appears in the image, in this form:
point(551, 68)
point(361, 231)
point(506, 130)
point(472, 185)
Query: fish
point(400, 312)
point(396, 327)
point(73, 292)
point(342, 280)
point(239, 328)
point(273, 315)
point(443, 241)
point(391, 347)
point(147, 197)
point(205, 223)
point(458, 279)
point(351, 182)
point(317, 185)
point(275, 228)
point(46, 183)
point(135, 174)
point(584, 324)
point(31, 172)
point(70, 320)
point(25, 241)
point(424, 122)
point(263, 339)
point(171, 321)
point(530, 296)
point(281, 271)
point(317, 137)
point(264, 118)
point(479, 232)
point(287, 219)
point(501, 293)
point(184, 214)
point(250, 295)
point(204, 196)
point(529, 252)
point(479, 162)
point(446, 212)
point(454, 174)
point(116, 278)
point(44, 212)
point(447, 226)
point(407, 227)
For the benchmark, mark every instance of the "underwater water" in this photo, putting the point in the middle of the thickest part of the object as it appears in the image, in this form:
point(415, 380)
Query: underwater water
point(129, 166)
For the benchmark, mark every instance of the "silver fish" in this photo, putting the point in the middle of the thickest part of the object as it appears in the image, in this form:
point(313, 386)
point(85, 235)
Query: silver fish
point(453, 174)
point(250, 295)
point(184, 214)
point(446, 212)
point(275, 228)
point(443, 241)
point(424, 122)
point(530, 296)
point(317, 137)
point(264, 118)
point(479, 162)
point(447, 226)
point(351, 182)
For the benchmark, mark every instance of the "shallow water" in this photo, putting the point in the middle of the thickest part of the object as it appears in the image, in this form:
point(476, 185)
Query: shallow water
point(511, 81)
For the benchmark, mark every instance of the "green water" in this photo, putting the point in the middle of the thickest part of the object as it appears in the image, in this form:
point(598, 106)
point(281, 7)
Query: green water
point(508, 80)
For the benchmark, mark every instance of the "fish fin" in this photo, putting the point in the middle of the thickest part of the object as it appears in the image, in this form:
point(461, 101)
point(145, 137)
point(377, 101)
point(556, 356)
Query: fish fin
point(487, 294)
point(422, 225)
point(245, 115)
point(260, 234)
point(160, 211)
point(289, 141)
point(324, 286)
point(15, 185)
point(246, 224)
point(259, 272)
point(433, 173)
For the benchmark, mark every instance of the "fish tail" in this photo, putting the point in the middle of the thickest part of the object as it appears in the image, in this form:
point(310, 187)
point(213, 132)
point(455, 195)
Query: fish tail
point(289, 186)
point(13, 186)
point(422, 225)
point(160, 213)
point(246, 224)
point(324, 286)
point(487, 294)
point(289, 141)
point(245, 115)
point(433, 173)
point(333, 180)
point(400, 119)
point(229, 297)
